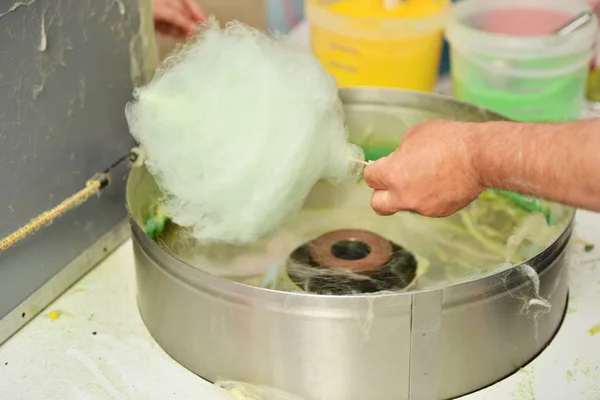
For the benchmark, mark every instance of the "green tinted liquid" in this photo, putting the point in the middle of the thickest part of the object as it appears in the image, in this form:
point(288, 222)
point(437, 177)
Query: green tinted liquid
point(538, 100)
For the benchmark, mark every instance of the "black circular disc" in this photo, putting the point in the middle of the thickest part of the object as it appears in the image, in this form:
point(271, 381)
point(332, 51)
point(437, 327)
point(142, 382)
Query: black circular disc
point(395, 274)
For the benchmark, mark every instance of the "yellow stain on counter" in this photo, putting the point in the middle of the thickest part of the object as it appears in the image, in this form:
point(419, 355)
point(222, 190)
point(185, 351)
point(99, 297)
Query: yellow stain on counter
point(237, 394)
point(595, 329)
point(54, 315)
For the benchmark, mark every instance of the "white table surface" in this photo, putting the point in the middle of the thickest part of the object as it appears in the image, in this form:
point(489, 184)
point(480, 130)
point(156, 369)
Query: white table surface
point(99, 349)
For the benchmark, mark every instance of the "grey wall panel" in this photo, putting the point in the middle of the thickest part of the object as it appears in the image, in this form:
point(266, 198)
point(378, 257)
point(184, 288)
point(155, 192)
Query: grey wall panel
point(67, 68)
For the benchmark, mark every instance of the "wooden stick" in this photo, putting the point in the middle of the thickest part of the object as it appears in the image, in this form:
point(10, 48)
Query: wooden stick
point(356, 160)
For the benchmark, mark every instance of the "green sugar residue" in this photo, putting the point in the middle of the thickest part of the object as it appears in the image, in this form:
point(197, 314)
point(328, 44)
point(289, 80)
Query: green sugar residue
point(375, 153)
point(378, 146)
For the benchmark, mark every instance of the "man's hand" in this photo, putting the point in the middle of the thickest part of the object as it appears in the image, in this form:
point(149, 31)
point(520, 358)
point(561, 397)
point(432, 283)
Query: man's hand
point(177, 18)
point(432, 172)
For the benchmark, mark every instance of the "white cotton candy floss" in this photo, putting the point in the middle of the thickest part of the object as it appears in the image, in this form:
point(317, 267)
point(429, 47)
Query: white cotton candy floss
point(237, 127)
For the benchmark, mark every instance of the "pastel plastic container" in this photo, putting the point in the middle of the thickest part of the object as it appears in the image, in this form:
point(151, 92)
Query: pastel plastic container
point(362, 43)
point(504, 57)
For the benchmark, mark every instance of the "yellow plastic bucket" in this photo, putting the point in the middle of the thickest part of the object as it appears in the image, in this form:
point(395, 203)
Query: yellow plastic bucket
point(363, 43)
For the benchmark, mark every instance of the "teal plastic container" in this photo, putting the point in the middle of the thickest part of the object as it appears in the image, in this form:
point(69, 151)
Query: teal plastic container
point(505, 58)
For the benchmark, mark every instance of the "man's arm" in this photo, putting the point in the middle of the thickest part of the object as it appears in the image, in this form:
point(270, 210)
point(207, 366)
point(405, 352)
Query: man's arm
point(559, 162)
point(441, 166)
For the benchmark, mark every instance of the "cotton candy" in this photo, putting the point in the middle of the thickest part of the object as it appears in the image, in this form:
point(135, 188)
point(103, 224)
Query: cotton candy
point(237, 127)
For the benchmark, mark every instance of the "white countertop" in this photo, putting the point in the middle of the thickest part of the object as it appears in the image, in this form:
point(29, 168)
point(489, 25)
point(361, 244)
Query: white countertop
point(97, 348)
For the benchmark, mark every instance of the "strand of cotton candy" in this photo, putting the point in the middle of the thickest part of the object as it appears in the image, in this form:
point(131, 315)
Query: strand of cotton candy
point(237, 128)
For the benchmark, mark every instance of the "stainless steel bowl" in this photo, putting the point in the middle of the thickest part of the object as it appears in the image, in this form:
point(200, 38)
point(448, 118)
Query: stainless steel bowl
point(428, 344)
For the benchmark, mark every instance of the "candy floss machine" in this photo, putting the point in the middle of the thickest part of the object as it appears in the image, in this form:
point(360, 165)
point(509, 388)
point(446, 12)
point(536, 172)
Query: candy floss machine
point(342, 304)
point(67, 69)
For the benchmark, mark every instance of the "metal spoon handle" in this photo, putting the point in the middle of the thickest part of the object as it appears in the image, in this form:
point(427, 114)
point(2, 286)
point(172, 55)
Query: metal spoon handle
point(578, 21)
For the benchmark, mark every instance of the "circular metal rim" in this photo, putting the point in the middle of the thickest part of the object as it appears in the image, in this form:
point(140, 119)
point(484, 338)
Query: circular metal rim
point(207, 282)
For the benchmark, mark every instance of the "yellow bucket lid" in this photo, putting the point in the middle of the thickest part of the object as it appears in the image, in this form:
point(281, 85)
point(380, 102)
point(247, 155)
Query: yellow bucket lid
point(371, 19)
point(380, 9)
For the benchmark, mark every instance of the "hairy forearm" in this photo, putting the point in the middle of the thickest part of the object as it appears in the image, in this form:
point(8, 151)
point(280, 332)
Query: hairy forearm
point(559, 162)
